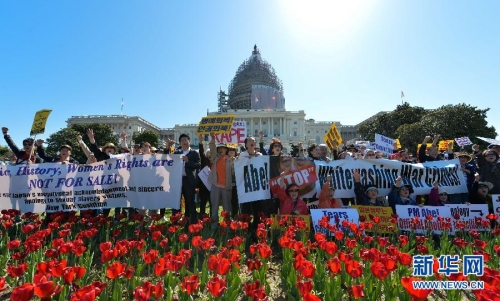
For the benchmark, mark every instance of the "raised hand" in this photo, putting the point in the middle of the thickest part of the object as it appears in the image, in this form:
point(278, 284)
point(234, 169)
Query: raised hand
point(399, 180)
point(39, 142)
point(356, 175)
point(201, 138)
point(79, 138)
point(427, 139)
point(475, 147)
point(5, 130)
point(436, 184)
point(124, 135)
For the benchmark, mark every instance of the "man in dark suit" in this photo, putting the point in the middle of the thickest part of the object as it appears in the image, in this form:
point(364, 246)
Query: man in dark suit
point(192, 163)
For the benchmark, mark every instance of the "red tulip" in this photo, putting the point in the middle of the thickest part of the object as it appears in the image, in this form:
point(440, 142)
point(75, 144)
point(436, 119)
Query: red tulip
point(254, 290)
point(350, 243)
point(304, 287)
point(254, 264)
point(334, 265)
point(310, 297)
point(190, 284)
point(357, 291)
point(13, 244)
point(72, 274)
point(418, 294)
point(45, 288)
point(2, 284)
point(115, 270)
point(330, 247)
point(481, 244)
point(150, 256)
point(23, 293)
point(183, 238)
point(16, 271)
point(339, 235)
point(57, 267)
point(378, 270)
point(161, 267)
point(353, 268)
point(405, 258)
point(306, 268)
point(216, 286)
point(264, 250)
point(403, 240)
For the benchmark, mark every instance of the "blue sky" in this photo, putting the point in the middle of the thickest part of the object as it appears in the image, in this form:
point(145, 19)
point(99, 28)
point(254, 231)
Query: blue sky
point(339, 61)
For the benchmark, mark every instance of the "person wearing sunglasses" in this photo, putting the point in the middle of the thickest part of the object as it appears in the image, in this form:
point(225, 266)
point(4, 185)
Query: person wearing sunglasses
point(489, 169)
point(290, 203)
point(25, 155)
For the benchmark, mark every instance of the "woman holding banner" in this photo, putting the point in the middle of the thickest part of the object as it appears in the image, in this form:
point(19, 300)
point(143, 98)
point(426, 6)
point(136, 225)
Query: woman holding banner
point(290, 203)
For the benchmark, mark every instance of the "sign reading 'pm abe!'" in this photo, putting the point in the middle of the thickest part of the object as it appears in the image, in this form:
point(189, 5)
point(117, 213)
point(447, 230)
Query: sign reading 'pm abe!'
point(144, 182)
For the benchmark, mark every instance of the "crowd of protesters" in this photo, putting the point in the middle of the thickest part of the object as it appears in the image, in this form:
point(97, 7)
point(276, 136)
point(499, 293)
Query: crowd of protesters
point(480, 167)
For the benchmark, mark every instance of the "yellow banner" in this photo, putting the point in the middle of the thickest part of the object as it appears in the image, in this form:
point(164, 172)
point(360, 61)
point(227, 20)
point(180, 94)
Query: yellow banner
point(215, 125)
point(384, 213)
point(39, 122)
point(442, 146)
point(333, 138)
point(399, 143)
point(277, 218)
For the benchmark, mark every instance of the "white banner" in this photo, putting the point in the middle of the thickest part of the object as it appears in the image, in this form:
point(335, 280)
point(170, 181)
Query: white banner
point(237, 135)
point(468, 215)
point(203, 174)
point(495, 198)
point(143, 182)
point(490, 141)
point(252, 179)
point(348, 214)
point(384, 144)
point(382, 173)
point(463, 141)
point(414, 218)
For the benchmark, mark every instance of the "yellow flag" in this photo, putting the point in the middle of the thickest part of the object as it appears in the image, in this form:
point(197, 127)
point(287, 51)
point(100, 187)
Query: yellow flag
point(38, 126)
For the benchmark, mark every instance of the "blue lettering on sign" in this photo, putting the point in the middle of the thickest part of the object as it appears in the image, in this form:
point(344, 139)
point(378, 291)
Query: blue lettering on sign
point(422, 265)
point(473, 265)
point(448, 264)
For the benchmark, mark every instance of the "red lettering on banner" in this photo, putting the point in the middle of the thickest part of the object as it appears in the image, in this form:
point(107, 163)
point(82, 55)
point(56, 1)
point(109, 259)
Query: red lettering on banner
point(236, 136)
point(301, 177)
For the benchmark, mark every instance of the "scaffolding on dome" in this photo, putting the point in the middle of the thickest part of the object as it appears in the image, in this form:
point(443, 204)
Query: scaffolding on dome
point(254, 71)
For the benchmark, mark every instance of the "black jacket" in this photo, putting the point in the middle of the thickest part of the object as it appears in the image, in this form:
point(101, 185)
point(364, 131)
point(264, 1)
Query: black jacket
point(22, 156)
point(192, 166)
point(99, 155)
point(43, 155)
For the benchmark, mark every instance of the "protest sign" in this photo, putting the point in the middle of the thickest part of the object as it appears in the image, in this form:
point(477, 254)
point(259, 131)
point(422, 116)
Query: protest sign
point(334, 215)
point(468, 215)
point(333, 138)
point(252, 178)
point(39, 122)
point(414, 218)
point(442, 146)
point(203, 174)
point(490, 141)
point(463, 141)
point(236, 136)
point(383, 213)
point(384, 144)
point(215, 124)
point(297, 170)
point(495, 198)
point(290, 220)
point(383, 173)
point(143, 182)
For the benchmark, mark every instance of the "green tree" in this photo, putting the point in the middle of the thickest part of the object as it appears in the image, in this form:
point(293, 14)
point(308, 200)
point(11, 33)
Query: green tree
point(146, 136)
point(386, 124)
point(4, 150)
point(412, 124)
point(102, 132)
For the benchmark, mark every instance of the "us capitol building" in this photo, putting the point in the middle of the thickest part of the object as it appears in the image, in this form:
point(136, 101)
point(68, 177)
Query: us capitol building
point(255, 95)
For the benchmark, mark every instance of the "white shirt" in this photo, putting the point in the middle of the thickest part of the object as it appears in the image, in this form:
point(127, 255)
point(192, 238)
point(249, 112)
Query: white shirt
point(184, 152)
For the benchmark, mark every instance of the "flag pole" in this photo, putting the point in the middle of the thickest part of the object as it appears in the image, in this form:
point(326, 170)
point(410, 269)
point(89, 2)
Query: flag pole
point(122, 106)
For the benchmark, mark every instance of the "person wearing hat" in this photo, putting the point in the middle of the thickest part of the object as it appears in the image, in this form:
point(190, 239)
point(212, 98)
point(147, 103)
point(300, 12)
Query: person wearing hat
point(489, 168)
point(107, 150)
point(438, 195)
point(367, 196)
point(468, 167)
point(290, 203)
point(26, 154)
point(221, 180)
point(481, 193)
point(64, 154)
point(400, 195)
point(327, 196)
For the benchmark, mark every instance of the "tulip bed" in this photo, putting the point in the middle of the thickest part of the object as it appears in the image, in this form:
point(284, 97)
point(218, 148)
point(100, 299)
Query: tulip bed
point(74, 256)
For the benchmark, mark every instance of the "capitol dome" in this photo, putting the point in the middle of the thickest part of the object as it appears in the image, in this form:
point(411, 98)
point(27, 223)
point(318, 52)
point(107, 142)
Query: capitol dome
point(256, 85)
